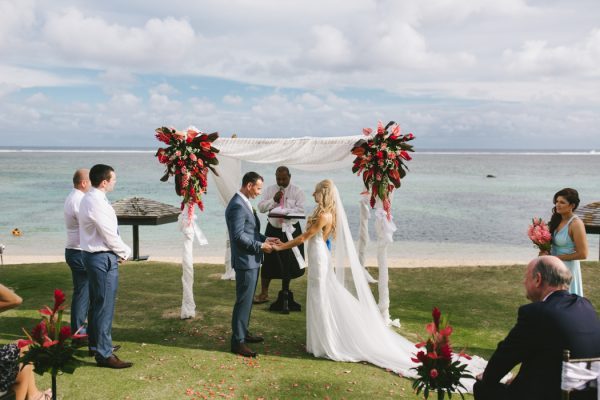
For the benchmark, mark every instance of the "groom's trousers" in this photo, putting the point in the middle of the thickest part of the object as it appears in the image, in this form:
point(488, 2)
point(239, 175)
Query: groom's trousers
point(245, 286)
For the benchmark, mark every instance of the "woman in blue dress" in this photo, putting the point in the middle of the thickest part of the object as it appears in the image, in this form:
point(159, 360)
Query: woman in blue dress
point(569, 242)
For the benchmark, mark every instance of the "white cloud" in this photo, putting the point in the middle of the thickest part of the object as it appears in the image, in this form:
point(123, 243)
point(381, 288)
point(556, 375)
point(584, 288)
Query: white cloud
point(17, 17)
point(92, 41)
point(37, 98)
point(331, 47)
point(539, 57)
point(232, 100)
point(164, 88)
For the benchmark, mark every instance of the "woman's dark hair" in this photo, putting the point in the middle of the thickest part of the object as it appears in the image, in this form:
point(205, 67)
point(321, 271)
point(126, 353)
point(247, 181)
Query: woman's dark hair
point(572, 197)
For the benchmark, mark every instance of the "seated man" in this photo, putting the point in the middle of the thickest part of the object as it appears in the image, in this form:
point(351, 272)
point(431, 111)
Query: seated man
point(555, 320)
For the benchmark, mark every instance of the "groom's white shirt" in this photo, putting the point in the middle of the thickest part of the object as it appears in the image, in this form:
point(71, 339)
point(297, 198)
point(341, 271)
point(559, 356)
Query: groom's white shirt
point(246, 200)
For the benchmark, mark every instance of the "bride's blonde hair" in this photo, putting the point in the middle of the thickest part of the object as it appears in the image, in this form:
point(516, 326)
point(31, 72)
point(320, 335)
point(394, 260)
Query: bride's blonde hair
point(326, 203)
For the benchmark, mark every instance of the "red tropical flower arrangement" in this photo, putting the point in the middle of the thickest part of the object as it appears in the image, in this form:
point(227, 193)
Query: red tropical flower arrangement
point(189, 157)
point(380, 158)
point(51, 346)
point(440, 368)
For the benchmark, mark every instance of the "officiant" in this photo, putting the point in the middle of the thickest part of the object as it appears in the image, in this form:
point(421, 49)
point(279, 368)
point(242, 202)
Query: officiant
point(288, 199)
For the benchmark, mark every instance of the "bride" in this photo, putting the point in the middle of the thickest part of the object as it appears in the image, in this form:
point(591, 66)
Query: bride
point(343, 322)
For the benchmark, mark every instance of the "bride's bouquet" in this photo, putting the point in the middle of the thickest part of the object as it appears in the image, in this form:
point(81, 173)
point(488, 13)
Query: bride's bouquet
point(440, 369)
point(539, 234)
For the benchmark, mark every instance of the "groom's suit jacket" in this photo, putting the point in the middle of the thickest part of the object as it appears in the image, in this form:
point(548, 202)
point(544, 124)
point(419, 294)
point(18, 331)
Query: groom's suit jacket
point(244, 234)
point(543, 330)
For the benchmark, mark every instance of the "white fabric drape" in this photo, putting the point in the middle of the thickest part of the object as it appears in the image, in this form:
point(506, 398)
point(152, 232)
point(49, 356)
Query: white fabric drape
point(190, 231)
point(576, 375)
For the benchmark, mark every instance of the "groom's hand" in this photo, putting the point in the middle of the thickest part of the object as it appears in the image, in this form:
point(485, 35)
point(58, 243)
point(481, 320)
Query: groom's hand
point(273, 240)
point(266, 247)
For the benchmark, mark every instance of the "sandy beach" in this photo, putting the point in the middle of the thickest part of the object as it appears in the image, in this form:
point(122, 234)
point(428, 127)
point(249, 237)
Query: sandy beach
point(392, 262)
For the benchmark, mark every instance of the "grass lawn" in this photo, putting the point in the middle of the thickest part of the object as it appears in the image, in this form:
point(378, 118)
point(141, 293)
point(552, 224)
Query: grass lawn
point(190, 359)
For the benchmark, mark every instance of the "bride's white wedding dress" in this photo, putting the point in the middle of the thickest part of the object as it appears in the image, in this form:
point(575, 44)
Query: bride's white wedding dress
point(343, 322)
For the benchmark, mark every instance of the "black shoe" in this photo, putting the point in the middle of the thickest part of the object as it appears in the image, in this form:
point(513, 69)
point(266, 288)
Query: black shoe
point(244, 351)
point(253, 339)
point(293, 306)
point(280, 304)
point(93, 353)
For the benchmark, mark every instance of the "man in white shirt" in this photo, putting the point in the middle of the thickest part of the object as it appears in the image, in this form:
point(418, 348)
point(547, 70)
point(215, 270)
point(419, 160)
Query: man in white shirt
point(73, 255)
point(103, 250)
point(282, 265)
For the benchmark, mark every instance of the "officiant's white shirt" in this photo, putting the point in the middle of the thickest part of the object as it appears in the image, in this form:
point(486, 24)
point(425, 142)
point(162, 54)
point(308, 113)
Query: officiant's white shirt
point(98, 225)
point(293, 198)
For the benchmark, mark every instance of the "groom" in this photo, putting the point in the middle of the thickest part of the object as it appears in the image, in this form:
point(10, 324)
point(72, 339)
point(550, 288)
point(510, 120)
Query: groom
point(247, 247)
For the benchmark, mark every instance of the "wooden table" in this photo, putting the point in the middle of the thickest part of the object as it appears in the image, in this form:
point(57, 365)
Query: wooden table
point(138, 211)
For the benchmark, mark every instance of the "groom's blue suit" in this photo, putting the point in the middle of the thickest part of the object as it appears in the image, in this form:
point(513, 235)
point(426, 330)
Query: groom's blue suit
point(246, 255)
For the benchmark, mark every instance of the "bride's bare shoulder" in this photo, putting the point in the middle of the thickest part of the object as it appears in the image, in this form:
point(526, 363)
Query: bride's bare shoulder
point(325, 217)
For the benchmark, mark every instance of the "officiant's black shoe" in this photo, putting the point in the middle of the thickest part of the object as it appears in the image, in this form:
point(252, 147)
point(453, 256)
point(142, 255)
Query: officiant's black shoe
point(281, 304)
point(292, 305)
point(253, 339)
point(243, 350)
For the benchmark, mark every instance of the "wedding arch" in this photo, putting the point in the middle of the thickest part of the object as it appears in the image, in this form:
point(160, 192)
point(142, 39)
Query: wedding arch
point(308, 154)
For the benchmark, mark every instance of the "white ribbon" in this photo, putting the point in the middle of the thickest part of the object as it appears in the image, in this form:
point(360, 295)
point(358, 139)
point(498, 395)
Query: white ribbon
point(384, 227)
point(288, 229)
point(576, 375)
point(190, 231)
point(363, 230)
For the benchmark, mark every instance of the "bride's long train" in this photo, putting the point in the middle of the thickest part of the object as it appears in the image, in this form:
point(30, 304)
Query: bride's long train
point(343, 322)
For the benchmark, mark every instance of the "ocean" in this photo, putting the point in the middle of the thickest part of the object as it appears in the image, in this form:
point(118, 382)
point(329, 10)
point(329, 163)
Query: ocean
point(447, 211)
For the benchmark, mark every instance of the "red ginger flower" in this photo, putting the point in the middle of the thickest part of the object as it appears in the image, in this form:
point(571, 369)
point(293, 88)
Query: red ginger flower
point(65, 333)
point(59, 299)
point(436, 314)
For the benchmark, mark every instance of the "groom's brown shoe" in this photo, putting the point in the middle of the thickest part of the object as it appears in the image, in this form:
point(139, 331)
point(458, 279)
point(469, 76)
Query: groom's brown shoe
point(253, 339)
point(112, 362)
point(244, 350)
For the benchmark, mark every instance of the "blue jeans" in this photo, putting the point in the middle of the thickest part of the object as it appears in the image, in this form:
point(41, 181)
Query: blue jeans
point(80, 301)
point(103, 275)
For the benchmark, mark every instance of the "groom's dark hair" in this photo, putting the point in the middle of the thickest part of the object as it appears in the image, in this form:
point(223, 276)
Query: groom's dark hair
point(99, 173)
point(251, 177)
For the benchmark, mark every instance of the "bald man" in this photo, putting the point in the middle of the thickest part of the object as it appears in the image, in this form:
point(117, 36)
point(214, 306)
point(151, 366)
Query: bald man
point(554, 321)
point(81, 299)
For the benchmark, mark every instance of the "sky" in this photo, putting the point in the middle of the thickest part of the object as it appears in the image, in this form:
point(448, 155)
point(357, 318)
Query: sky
point(458, 74)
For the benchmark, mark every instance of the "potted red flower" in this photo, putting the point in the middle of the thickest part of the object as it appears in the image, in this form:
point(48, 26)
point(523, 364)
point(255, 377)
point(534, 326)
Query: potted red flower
point(51, 344)
point(440, 368)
